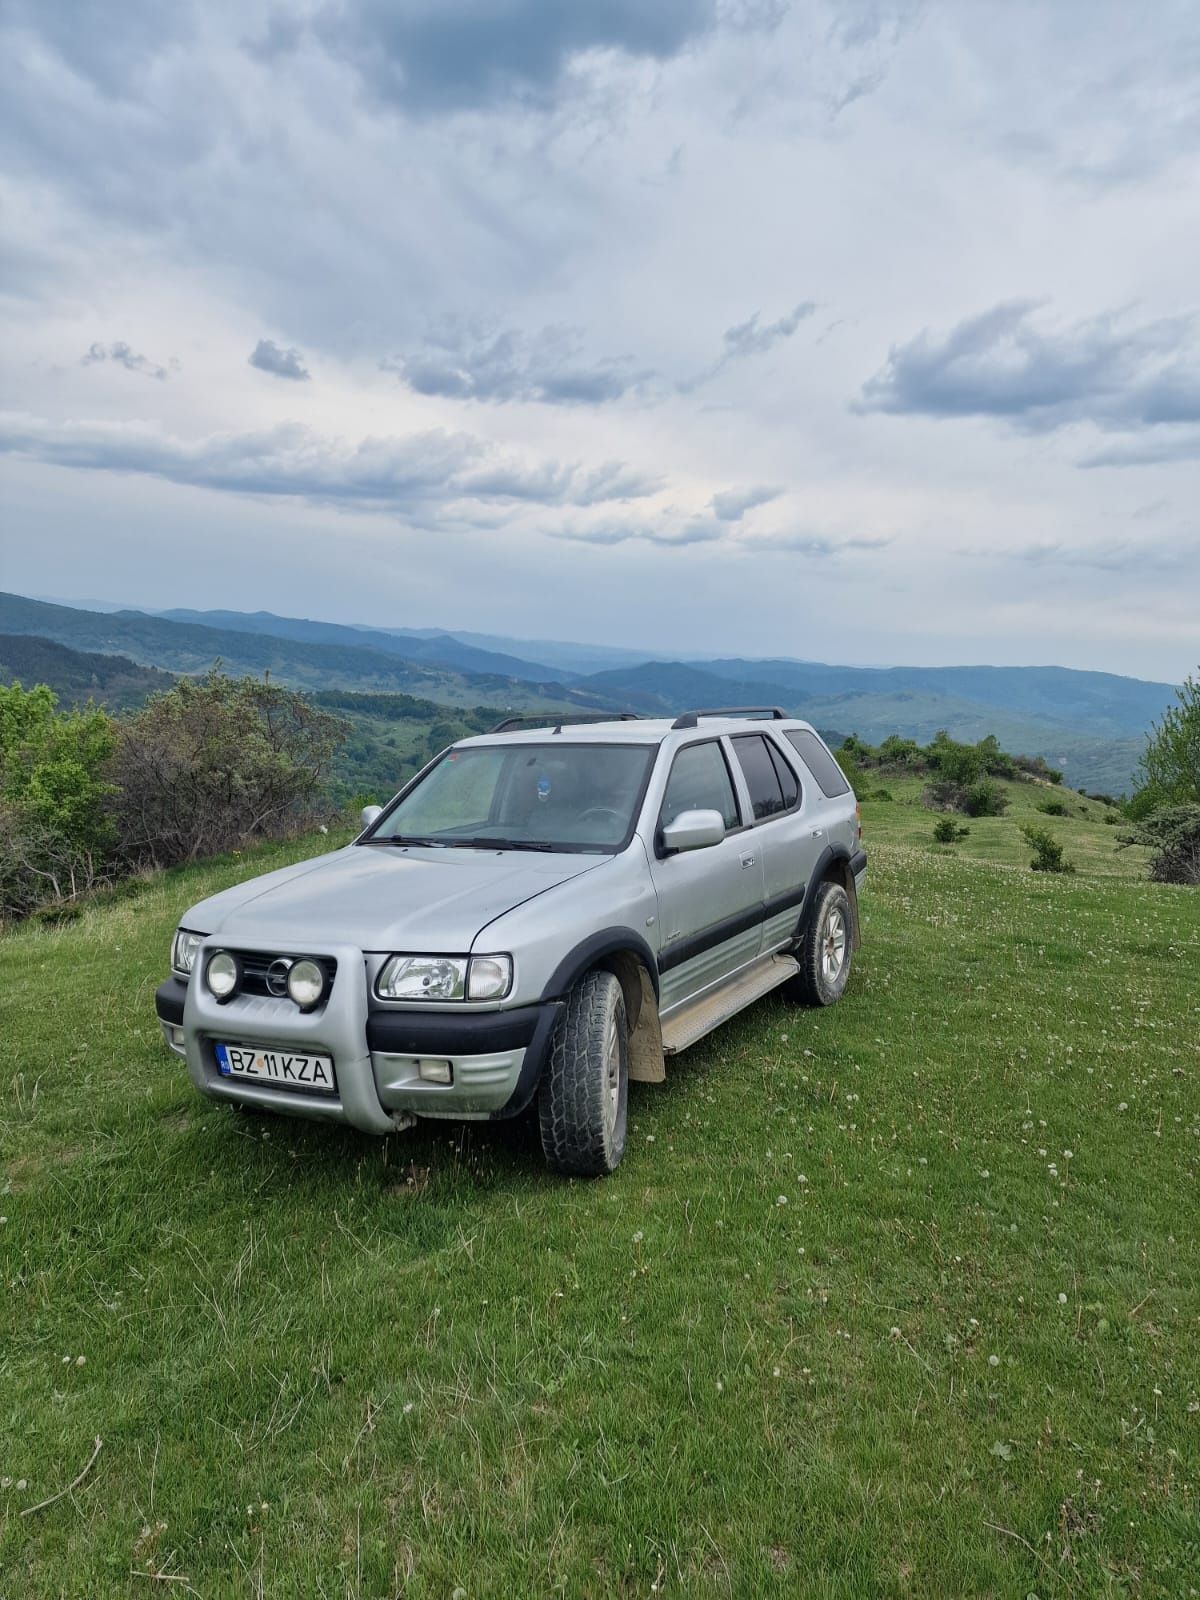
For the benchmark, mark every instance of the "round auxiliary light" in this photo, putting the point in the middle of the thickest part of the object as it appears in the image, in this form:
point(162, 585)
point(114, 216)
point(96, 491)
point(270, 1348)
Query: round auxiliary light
point(223, 972)
point(306, 983)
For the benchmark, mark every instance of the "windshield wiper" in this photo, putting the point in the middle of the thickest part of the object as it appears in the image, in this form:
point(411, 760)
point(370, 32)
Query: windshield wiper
point(403, 838)
point(504, 844)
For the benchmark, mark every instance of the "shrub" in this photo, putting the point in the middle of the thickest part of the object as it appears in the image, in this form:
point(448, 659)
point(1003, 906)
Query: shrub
point(1173, 834)
point(960, 764)
point(984, 799)
point(947, 831)
point(1053, 808)
point(56, 839)
point(212, 765)
point(1047, 852)
point(882, 794)
point(1170, 767)
point(1036, 767)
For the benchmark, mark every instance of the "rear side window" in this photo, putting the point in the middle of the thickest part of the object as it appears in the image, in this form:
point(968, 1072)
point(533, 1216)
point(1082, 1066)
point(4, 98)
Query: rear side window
point(762, 780)
point(819, 762)
point(788, 781)
point(700, 781)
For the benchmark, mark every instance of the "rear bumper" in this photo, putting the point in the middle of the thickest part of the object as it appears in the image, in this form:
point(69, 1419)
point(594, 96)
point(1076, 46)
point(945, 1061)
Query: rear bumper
point(495, 1058)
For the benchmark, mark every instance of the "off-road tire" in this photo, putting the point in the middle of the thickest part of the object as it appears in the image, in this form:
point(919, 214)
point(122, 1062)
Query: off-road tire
point(582, 1130)
point(822, 980)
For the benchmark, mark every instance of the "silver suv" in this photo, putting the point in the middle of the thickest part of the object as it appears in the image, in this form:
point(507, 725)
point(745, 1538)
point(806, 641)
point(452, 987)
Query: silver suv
point(541, 913)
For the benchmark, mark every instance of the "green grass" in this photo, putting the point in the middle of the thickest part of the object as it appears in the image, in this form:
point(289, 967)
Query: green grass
point(901, 1298)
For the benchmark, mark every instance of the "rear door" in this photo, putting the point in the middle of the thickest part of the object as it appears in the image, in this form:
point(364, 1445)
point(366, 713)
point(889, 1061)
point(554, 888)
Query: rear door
point(784, 831)
point(709, 901)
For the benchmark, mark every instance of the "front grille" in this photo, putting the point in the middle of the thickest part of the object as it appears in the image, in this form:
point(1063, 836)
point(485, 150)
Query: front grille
point(256, 964)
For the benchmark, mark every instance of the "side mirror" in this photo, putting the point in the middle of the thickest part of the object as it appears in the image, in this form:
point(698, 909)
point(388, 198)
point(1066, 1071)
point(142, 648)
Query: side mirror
point(693, 830)
point(369, 814)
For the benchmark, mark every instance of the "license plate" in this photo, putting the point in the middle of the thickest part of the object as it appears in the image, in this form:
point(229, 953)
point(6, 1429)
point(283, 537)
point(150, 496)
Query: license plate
point(284, 1069)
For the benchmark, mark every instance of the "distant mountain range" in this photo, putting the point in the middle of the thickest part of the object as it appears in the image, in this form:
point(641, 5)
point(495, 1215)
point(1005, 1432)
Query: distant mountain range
point(1093, 724)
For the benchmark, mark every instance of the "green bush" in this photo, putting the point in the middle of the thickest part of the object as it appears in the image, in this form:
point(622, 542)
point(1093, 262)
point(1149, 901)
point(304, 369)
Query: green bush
point(1053, 808)
point(984, 799)
point(56, 837)
point(882, 794)
point(1170, 767)
point(1173, 834)
point(212, 765)
point(1047, 852)
point(947, 831)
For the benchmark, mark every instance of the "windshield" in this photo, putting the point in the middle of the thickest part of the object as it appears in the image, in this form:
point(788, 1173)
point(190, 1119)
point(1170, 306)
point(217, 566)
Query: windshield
point(553, 796)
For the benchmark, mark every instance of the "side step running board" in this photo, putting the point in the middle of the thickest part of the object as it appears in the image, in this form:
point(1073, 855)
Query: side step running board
point(692, 1021)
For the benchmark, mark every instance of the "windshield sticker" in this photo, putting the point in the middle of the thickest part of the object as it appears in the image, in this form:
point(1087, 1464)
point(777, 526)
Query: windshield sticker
point(543, 787)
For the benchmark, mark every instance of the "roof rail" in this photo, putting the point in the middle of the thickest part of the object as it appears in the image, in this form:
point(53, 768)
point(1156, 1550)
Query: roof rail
point(512, 724)
point(689, 719)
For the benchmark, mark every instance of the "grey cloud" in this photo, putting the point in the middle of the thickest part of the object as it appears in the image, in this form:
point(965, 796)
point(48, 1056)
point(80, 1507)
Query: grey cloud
point(751, 338)
point(467, 363)
point(268, 357)
point(731, 505)
point(1001, 365)
point(1157, 449)
point(1119, 556)
point(815, 545)
point(433, 56)
point(426, 471)
point(666, 529)
point(121, 353)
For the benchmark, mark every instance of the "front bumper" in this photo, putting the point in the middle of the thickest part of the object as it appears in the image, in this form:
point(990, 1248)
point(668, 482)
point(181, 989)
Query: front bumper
point(495, 1057)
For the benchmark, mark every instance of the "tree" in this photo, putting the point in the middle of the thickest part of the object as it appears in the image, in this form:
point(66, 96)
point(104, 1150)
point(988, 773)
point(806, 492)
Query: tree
point(56, 837)
point(1170, 767)
point(214, 764)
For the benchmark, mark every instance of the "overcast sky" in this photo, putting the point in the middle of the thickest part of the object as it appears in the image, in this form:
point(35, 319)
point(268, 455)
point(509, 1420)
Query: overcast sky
point(863, 332)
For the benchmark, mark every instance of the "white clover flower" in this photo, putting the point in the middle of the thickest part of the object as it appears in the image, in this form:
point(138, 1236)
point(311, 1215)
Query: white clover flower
point(1062, 1299)
point(993, 1361)
point(781, 1200)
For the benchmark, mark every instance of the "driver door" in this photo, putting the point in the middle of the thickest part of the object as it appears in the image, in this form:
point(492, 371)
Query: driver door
point(710, 901)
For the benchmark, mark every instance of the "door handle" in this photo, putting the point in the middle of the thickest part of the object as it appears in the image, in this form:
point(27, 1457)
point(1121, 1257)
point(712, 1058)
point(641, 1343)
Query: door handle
point(748, 861)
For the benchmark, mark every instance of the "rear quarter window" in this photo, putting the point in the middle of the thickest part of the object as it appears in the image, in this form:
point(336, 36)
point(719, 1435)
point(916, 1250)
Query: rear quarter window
point(819, 762)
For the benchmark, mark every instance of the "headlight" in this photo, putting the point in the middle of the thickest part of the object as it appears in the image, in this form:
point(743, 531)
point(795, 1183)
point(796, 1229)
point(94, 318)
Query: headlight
point(306, 983)
point(183, 951)
point(423, 978)
point(445, 978)
point(223, 973)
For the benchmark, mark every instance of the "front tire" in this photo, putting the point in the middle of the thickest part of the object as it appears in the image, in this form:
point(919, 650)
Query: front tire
point(583, 1100)
point(824, 949)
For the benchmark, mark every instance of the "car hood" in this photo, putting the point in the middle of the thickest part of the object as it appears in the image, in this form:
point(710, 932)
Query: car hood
point(384, 897)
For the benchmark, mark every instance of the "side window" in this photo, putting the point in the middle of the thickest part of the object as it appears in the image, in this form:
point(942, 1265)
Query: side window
point(700, 781)
point(788, 781)
point(766, 795)
point(819, 762)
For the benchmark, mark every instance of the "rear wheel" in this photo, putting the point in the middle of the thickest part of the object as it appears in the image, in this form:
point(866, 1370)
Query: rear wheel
point(824, 949)
point(583, 1100)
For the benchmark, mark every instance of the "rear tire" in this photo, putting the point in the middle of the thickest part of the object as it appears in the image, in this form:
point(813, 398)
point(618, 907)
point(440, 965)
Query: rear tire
point(583, 1099)
point(824, 949)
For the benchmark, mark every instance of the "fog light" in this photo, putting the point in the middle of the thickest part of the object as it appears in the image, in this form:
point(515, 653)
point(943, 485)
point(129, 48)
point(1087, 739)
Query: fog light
point(306, 983)
point(223, 972)
point(435, 1071)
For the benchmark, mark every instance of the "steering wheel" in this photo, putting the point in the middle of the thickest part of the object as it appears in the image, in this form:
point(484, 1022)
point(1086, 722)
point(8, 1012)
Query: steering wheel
point(597, 812)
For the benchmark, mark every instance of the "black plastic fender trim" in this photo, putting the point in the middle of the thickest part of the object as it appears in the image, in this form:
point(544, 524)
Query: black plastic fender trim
point(536, 1052)
point(169, 1001)
point(585, 955)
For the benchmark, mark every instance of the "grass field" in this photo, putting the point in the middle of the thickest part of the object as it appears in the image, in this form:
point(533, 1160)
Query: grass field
point(897, 1299)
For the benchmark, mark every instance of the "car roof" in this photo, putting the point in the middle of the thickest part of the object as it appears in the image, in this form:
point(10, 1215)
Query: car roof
point(645, 730)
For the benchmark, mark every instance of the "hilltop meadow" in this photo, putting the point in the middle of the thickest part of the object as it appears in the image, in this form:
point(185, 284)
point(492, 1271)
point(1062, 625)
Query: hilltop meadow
point(900, 1298)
